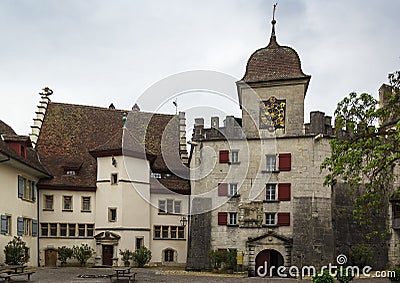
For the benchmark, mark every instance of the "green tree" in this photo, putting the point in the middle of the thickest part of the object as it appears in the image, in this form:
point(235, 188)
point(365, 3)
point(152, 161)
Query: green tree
point(141, 256)
point(16, 252)
point(365, 151)
point(64, 253)
point(82, 253)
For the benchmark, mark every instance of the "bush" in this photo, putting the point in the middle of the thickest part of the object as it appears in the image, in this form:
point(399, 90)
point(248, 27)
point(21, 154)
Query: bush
point(325, 277)
point(16, 252)
point(396, 277)
point(230, 260)
point(344, 275)
point(64, 253)
point(82, 253)
point(217, 257)
point(361, 255)
point(126, 256)
point(141, 256)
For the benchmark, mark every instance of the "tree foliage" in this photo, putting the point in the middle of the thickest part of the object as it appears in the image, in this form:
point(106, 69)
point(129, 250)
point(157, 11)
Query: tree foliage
point(82, 253)
point(366, 150)
point(16, 252)
point(64, 253)
point(141, 256)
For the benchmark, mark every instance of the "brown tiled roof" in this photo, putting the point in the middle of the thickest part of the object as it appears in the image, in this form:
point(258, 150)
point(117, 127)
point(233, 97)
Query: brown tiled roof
point(31, 159)
point(273, 62)
point(179, 185)
point(75, 134)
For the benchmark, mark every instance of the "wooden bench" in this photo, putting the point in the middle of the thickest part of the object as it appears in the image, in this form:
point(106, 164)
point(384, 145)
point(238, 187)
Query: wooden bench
point(123, 276)
point(7, 276)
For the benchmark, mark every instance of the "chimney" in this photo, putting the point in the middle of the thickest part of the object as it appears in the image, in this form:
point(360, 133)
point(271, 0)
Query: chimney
point(182, 138)
point(215, 122)
point(40, 114)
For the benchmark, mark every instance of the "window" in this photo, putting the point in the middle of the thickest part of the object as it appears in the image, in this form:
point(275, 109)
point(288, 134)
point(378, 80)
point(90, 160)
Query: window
point(170, 206)
point(86, 204)
point(157, 231)
point(169, 255)
point(161, 206)
point(270, 219)
point(63, 230)
point(177, 206)
point(155, 175)
point(181, 232)
point(232, 218)
point(44, 227)
point(6, 225)
point(48, 202)
point(27, 227)
point(235, 156)
point(71, 230)
point(271, 162)
point(26, 189)
point(53, 229)
point(112, 214)
point(81, 230)
point(67, 203)
point(174, 232)
point(139, 242)
point(114, 179)
point(70, 172)
point(233, 189)
point(270, 192)
point(164, 231)
point(90, 230)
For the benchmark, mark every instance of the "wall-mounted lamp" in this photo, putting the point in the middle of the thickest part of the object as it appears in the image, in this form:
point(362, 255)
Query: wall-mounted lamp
point(114, 161)
point(183, 221)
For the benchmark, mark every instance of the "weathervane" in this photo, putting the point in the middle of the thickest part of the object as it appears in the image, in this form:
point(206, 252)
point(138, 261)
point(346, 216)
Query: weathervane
point(273, 13)
point(46, 92)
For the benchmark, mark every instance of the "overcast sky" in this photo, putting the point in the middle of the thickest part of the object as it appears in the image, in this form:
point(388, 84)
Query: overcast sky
point(96, 52)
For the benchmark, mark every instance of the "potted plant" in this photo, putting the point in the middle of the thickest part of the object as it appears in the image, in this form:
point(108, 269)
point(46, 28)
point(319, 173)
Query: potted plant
point(126, 256)
point(344, 275)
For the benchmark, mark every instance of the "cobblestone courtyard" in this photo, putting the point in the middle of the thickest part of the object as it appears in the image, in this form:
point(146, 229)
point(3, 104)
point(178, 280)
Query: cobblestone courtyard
point(72, 274)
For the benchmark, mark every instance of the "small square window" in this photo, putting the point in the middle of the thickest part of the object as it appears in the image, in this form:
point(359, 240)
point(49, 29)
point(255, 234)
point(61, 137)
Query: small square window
point(90, 230)
point(63, 230)
point(232, 218)
point(67, 205)
point(86, 204)
point(270, 192)
point(48, 202)
point(114, 179)
point(139, 242)
point(235, 156)
point(157, 231)
point(112, 214)
point(270, 219)
point(71, 230)
point(70, 172)
point(177, 206)
point(271, 162)
point(233, 189)
point(155, 175)
point(53, 229)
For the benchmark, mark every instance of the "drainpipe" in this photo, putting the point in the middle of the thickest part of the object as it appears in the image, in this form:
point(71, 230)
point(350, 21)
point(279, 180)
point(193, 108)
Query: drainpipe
point(38, 225)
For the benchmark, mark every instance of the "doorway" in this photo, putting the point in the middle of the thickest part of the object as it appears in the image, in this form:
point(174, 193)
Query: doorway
point(271, 259)
point(108, 254)
point(50, 258)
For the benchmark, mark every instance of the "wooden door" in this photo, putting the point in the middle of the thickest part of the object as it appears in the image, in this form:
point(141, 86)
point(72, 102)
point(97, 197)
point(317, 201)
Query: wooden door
point(263, 260)
point(108, 254)
point(50, 258)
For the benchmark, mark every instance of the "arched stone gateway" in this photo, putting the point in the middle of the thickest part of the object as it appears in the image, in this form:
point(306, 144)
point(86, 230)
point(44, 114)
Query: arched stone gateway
point(268, 262)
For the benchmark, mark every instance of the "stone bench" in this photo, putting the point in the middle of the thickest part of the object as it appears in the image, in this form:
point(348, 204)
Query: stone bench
point(7, 276)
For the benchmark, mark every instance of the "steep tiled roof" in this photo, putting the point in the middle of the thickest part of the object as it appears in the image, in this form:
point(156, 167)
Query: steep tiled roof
point(273, 62)
point(72, 135)
point(31, 159)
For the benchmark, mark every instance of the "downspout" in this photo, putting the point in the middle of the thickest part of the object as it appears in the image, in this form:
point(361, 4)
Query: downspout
point(38, 225)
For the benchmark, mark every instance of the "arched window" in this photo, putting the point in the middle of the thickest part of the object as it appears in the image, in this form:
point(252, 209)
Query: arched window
point(169, 255)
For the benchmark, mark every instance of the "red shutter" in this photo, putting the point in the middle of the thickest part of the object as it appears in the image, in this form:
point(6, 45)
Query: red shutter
point(284, 219)
point(285, 162)
point(223, 156)
point(222, 189)
point(222, 218)
point(284, 191)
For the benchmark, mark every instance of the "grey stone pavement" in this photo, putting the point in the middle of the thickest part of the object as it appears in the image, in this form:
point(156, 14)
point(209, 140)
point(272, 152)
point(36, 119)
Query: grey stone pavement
point(71, 274)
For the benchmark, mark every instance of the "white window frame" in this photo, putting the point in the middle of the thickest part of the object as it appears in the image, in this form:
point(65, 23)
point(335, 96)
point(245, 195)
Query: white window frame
point(45, 202)
point(83, 204)
point(270, 196)
point(232, 218)
point(71, 204)
point(270, 166)
point(234, 156)
point(233, 189)
point(270, 219)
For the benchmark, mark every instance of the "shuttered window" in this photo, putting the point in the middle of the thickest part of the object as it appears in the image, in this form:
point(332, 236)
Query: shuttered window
point(284, 191)
point(20, 226)
point(20, 187)
point(34, 228)
point(222, 189)
point(4, 225)
point(284, 219)
point(285, 162)
point(222, 218)
point(223, 156)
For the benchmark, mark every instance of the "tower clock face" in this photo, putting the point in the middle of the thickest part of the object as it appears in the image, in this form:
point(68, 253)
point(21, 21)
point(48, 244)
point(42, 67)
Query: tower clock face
point(272, 113)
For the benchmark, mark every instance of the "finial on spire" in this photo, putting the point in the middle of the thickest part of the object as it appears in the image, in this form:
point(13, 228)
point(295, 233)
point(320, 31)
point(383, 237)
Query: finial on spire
point(273, 22)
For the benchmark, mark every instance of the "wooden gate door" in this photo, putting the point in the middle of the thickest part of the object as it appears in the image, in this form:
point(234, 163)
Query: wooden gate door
point(108, 254)
point(50, 258)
